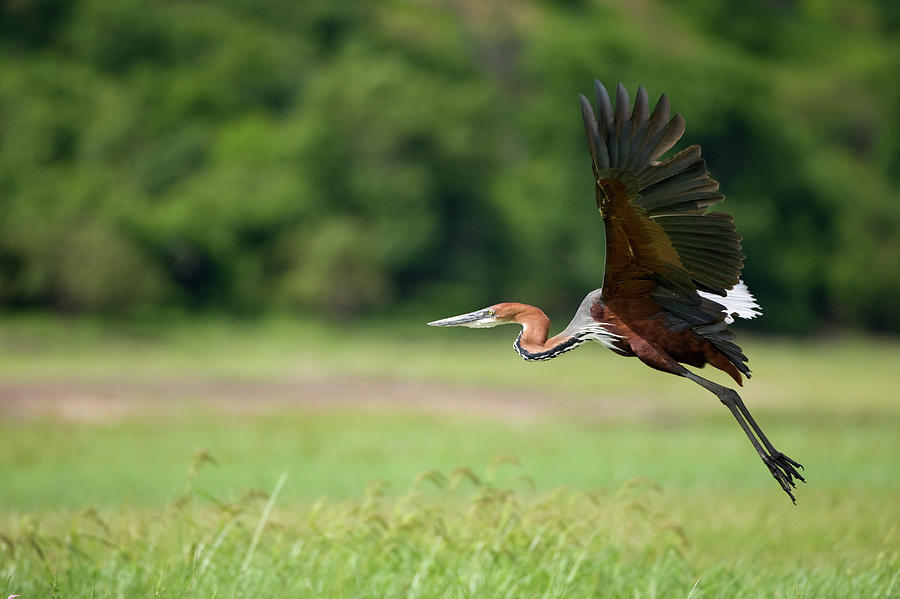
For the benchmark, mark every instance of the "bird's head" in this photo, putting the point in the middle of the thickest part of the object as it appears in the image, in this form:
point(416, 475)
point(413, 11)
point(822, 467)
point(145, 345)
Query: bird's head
point(491, 316)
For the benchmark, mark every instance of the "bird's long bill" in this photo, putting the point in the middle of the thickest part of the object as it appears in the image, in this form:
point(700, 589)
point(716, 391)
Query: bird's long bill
point(472, 319)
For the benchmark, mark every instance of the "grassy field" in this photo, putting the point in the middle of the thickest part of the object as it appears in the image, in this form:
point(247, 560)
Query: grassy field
point(285, 458)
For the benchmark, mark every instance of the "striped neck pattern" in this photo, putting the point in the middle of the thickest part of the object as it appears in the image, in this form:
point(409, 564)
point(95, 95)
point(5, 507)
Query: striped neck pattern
point(596, 332)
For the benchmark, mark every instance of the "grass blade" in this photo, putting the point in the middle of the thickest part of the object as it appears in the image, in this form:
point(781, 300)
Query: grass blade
point(263, 519)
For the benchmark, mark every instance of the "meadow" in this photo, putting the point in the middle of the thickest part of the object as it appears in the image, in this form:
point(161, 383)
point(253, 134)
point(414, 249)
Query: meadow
point(282, 457)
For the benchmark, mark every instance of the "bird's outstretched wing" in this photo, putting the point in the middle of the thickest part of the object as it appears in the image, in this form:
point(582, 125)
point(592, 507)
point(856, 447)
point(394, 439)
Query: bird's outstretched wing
point(658, 230)
point(661, 242)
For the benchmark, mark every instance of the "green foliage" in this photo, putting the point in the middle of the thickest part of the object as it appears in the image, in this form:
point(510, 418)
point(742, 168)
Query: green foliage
point(338, 157)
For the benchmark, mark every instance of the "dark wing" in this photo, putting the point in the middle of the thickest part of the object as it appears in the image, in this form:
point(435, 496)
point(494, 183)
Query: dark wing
point(661, 242)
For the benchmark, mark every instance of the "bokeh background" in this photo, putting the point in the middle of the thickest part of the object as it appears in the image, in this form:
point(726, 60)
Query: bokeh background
point(223, 225)
point(340, 158)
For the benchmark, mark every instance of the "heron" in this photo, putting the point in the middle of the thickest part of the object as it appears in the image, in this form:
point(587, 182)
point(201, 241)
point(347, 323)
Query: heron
point(672, 282)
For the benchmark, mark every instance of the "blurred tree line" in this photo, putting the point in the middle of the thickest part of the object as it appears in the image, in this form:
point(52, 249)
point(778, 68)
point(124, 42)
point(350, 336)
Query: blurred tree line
point(343, 157)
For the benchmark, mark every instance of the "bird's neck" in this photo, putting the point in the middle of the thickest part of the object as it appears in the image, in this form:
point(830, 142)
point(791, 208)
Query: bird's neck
point(535, 328)
point(532, 343)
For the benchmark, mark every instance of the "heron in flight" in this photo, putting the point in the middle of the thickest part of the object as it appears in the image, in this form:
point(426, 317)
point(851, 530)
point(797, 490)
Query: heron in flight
point(672, 281)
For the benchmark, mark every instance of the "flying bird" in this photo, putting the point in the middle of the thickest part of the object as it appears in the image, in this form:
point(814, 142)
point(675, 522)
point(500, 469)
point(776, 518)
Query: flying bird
point(672, 281)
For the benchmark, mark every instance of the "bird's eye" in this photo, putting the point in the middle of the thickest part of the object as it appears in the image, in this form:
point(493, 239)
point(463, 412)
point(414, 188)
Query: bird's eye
point(490, 312)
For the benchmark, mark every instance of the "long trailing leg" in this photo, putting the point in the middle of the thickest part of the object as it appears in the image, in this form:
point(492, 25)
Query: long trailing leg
point(762, 437)
point(783, 468)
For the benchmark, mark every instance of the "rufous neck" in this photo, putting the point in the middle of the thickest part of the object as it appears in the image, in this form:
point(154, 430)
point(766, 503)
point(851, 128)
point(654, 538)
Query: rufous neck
point(535, 328)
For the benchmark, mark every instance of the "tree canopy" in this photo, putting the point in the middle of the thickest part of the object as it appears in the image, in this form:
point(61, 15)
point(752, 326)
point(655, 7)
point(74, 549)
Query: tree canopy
point(343, 157)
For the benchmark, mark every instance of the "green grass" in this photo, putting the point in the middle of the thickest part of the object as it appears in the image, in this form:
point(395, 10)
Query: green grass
point(100, 495)
point(426, 543)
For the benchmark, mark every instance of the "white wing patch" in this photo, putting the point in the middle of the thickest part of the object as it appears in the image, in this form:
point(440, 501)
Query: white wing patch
point(738, 301)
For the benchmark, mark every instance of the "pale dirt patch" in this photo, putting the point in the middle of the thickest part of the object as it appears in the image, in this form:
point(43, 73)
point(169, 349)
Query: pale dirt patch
point(111, 400)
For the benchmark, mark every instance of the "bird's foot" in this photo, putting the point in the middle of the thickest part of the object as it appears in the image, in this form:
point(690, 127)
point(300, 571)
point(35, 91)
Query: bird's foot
point(784, 470)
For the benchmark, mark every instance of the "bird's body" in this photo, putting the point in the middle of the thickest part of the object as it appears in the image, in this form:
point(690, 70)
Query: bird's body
point(672, 282)
point(628, 329)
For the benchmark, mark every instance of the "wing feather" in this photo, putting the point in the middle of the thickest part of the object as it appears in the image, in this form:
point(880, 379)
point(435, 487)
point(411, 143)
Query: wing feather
point(604, 111)
point(599, 153)
point(670, 136)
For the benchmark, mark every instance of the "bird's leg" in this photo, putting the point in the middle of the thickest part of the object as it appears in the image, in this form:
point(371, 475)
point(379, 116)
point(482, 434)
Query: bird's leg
point(783, 468)
point(762, 437)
